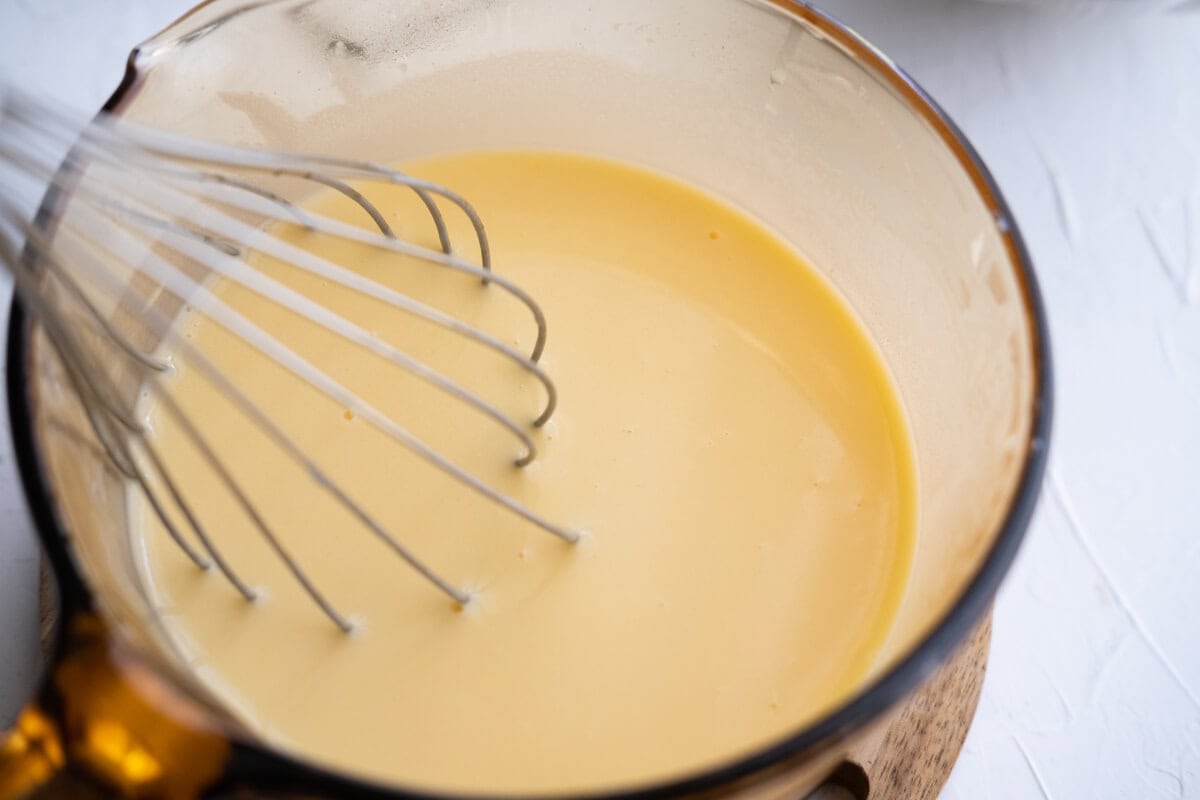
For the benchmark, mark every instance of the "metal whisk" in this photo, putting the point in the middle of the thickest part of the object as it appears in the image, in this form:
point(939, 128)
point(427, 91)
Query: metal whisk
point(203, 208)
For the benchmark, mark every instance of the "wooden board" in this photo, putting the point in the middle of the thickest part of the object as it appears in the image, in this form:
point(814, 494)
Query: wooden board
point(912, 757)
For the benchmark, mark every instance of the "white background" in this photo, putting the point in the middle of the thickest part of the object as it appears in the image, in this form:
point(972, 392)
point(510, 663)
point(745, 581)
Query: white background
point(1089, 115)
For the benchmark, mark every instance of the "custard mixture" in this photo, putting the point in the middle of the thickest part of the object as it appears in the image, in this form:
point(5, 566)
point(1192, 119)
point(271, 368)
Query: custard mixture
point(727, 437)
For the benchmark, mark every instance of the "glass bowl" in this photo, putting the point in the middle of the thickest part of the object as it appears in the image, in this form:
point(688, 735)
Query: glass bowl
point(767, 103)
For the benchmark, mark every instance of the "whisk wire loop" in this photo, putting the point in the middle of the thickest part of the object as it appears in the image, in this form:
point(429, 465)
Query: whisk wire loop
point(172, 212)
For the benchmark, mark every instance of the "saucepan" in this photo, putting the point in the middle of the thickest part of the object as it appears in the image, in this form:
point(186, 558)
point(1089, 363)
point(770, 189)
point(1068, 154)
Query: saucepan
point(769, 104)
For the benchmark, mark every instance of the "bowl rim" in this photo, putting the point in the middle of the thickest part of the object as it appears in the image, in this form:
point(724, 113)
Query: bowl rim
point(854, 714)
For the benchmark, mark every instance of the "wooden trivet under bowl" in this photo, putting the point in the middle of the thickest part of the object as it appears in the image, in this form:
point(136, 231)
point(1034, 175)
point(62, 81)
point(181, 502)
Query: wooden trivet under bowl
point(911, 758)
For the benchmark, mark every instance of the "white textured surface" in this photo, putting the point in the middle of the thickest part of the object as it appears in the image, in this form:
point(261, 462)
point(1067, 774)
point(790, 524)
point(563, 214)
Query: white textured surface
point(1090, 120)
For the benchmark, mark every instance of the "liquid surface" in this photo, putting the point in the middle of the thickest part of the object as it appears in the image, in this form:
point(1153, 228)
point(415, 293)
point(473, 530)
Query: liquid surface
point(726, 435)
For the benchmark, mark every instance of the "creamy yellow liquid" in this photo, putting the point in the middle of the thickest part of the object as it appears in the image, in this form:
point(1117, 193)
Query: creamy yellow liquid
point(727, 436)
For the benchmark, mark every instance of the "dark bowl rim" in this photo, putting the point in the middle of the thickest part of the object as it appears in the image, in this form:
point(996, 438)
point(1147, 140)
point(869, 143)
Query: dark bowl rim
point(264, 767)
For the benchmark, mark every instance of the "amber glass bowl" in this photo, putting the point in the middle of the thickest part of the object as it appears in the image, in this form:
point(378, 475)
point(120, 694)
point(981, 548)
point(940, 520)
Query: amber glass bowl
point(767, 103)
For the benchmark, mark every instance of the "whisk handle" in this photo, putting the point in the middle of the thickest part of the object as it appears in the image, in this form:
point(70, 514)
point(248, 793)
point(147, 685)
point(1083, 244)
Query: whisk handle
point(33, 775)
point(104, 726)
